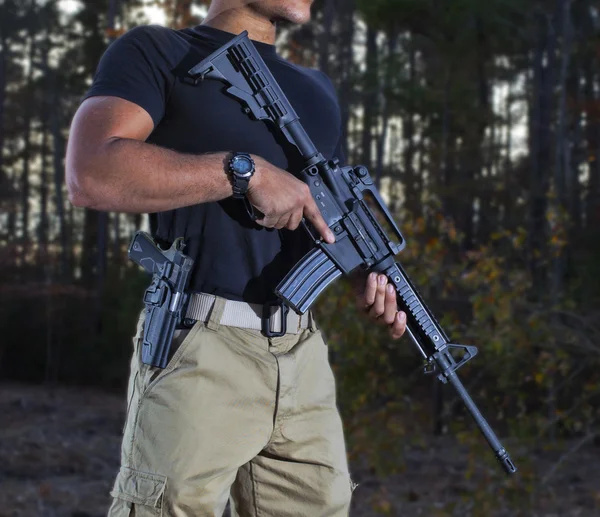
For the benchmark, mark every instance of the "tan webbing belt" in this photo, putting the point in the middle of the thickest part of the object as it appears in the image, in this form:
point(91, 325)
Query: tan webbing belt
point(244, 315)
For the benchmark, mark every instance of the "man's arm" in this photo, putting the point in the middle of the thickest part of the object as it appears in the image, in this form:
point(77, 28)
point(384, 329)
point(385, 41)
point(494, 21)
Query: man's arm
point(110, 167)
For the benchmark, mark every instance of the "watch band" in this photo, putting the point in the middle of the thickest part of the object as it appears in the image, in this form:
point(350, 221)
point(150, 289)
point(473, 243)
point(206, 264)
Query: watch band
point(240, 182)
point(240, 187)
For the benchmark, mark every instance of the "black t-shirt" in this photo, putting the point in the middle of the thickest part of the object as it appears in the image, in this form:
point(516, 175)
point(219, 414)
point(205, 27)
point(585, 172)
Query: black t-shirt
point(234, 257)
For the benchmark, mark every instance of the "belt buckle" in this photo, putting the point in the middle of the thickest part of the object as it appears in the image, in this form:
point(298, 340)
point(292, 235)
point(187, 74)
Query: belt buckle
point(266, 319)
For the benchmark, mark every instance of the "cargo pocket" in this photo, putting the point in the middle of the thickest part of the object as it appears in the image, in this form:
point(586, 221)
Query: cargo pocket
point(137, 493)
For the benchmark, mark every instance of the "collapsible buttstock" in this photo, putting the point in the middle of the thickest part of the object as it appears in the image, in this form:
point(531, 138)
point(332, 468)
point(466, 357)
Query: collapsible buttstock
point(309, 278)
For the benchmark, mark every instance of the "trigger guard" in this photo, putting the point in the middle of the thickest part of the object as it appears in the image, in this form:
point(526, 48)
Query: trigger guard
point(309, 229)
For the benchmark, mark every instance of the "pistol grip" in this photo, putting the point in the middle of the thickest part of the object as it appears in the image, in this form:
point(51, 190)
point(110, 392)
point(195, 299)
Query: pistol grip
point(144, 252)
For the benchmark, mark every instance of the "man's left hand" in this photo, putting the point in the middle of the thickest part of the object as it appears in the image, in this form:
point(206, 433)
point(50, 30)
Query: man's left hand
point(379, 301)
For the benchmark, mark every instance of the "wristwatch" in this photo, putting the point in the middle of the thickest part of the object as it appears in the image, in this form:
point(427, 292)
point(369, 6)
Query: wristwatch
point(241, 169)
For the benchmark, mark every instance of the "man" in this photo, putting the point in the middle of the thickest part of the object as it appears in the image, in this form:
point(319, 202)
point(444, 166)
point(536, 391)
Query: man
point(234, 413)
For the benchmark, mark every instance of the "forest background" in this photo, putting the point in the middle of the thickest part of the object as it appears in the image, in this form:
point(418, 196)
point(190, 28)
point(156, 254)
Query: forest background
point(480, 122)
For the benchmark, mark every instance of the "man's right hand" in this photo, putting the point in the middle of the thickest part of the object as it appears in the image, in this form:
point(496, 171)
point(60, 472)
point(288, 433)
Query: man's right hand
point(284, 200)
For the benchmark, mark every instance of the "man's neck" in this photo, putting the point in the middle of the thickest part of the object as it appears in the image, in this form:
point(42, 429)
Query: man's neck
point(236, 20)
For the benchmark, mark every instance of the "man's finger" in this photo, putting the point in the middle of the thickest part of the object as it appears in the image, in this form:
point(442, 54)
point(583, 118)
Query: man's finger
point(295, 220)
point(370, 290)
point(399, 327)
point(391, 306)
point(311, 212)
point(379, 305)
point(267, 222)
point(282, 222)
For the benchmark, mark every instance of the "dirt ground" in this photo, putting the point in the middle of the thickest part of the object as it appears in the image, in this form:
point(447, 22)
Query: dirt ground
point(59, 452)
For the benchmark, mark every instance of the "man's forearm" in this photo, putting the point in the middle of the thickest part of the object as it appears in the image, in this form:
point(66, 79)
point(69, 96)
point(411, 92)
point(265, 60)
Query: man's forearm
point(126, 175)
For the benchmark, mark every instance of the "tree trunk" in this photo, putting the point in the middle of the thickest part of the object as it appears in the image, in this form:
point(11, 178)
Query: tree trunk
point(43, 223)
point(103, 217)
point(476, 160)
point(592, 198)
point(411, 194)
point(65, 270)
point(592, 131)
point(345, 12)
point(541, 145)
point(508, 181)
point(561, 140)
point(3, 61)
point(447, 154)
point(6, 185)
point(420, 181)
point(385, 116)
point(487, 191)
point(27, 122)
point(325, 36)
point(369, 97)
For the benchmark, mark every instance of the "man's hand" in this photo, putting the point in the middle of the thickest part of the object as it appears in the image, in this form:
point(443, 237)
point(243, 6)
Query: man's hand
point(284, 200)
point(379, 301)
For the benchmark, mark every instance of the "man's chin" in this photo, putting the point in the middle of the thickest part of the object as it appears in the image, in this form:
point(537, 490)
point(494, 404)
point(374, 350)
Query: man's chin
point(282, 22)
point(287, 21)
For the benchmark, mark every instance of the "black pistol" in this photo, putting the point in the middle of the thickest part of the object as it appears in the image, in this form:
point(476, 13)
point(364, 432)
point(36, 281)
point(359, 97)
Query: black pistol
point(165, 299)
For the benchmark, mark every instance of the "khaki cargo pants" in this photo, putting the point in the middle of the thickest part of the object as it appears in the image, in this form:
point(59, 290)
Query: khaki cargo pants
point(234, 415)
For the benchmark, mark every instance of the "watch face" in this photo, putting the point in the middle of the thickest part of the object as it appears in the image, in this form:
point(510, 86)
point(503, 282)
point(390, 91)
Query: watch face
point(242, 166)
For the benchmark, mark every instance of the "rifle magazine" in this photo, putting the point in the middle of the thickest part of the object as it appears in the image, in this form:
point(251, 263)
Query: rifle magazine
point(309, 278)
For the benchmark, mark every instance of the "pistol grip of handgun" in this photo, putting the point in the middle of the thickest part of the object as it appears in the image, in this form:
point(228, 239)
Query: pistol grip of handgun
point(309, 278)
point(144, 252)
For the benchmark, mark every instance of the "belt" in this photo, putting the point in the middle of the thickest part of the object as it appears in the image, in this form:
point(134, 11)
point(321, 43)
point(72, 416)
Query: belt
point(273, 319)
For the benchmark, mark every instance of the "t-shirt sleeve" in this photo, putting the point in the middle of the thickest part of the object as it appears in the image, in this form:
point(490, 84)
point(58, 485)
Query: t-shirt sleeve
point(136, 68)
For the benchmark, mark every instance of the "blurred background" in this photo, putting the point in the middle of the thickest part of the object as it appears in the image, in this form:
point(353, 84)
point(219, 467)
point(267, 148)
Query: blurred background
point(481, 123)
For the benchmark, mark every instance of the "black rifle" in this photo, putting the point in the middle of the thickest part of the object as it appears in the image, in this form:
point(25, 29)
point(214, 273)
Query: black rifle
point(340, 195)
point(165, 299)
